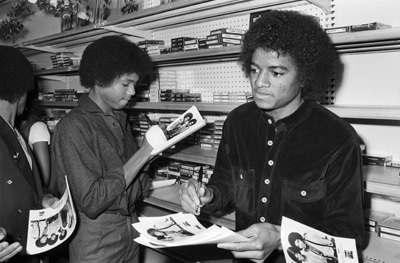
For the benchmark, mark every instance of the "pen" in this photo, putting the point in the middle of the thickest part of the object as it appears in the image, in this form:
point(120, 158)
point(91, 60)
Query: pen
point(199, 183)
point(148, 120)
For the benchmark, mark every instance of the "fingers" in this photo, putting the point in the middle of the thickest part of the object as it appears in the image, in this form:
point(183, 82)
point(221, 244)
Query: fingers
point(248, 250)
point(8, 251)
point(50, 201)
point(188, 197)
point(238, 246)
point(3, 233)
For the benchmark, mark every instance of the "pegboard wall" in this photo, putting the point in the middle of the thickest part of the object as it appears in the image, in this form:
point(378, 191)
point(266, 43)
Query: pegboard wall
point(209, 78)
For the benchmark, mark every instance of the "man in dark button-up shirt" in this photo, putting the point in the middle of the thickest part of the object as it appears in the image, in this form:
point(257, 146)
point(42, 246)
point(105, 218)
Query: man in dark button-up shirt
point(284, 154)
point(94, 148)
point(21, 188)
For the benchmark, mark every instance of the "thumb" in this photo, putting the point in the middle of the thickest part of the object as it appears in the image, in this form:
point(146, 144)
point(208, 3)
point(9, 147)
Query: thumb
point(3, 233)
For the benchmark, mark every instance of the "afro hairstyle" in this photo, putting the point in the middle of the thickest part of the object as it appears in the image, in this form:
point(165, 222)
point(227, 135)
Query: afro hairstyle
point(110, 57)
point(298, 36)
point(293, 236)
point(16, 74)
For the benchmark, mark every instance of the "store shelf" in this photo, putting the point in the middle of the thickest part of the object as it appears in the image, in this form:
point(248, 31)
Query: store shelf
point(386, 39)
point(222, 108)
point(366, 112)
point(344, 111)
point(57, 104)
point(382, 180)
point(380, 250)
point(58, 71)
point(192, 153)
point(174, 14)
point(367, 41)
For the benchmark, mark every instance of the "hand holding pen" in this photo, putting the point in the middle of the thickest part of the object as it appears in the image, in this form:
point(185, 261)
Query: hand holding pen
point(194, 195)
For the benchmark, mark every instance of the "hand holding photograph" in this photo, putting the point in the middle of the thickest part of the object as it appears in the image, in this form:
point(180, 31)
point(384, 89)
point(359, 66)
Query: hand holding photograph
point(181, 230)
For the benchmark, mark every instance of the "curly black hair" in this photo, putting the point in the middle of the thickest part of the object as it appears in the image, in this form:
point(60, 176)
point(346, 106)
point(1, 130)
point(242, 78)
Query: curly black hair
point(16, 74)
point(298, 36)
point(110, 57)
point(293, 236)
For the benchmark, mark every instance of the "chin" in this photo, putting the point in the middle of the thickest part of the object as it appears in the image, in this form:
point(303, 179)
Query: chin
point(262, 104)
point(122, 105)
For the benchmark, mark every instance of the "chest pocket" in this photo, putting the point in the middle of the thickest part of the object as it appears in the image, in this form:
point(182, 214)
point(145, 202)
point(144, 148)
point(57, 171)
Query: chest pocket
point(243, 183)
point(304, 203)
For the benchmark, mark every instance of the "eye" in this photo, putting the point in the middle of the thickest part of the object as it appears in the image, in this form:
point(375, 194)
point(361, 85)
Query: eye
point(254, 70)
point(276, 73)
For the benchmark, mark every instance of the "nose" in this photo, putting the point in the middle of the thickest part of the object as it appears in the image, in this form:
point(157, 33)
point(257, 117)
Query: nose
point(262, 79)
point(130, 90)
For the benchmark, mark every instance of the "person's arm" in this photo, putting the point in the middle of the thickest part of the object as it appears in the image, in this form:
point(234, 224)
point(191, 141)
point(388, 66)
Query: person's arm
point(94, 187)
point(42, 155)
point(39, 138)
point(137, 161)
point(344, 192)
point(7, 250)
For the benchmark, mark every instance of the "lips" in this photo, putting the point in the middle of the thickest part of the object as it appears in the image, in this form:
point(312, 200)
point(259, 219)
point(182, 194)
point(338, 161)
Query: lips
point(262, 94)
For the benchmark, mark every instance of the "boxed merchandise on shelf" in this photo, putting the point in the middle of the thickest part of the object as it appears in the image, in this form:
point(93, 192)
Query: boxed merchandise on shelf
point(376, 159)
point(390, 228)
point(228, 31)
point(374, 218)
point(149, 42)
point(207, 136)
point(369, 26)
point(357, 28)
point(335, 30)
point(65, 59)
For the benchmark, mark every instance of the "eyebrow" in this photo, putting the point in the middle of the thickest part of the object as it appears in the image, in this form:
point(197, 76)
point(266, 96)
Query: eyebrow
point(271, 67)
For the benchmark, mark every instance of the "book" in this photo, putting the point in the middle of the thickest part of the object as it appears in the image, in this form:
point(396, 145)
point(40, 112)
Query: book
point(50, 227)
point(181, 229)
point(183, 126)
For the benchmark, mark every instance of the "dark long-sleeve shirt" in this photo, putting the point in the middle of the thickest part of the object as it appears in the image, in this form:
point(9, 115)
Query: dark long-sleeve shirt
point(306, 167)
point(91, 147)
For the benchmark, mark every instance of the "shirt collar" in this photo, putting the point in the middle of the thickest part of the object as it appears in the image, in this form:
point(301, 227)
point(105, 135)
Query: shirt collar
point(292, 118)
point(90, 106)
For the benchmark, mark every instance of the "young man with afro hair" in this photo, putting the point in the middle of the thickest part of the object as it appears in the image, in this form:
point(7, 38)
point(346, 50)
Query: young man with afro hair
point(94, 148)
point(284, 154)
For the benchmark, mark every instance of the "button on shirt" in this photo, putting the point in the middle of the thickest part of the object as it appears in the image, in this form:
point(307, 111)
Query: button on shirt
point(306, 166)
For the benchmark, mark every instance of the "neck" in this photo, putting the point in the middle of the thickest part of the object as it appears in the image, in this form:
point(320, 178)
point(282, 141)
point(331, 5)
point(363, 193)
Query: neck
point(96, 97)
point(8, 111)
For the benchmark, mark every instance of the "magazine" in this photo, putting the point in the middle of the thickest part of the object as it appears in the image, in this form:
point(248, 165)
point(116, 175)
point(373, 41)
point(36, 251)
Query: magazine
point(181, 230)
point(50, 227)
point(187, 123)
point(302, 243)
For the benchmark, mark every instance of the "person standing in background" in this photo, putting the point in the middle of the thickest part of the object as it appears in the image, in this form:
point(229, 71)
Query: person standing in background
point(20, 184)
point(94, 148)
point(284, 154)
point(37, 134)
